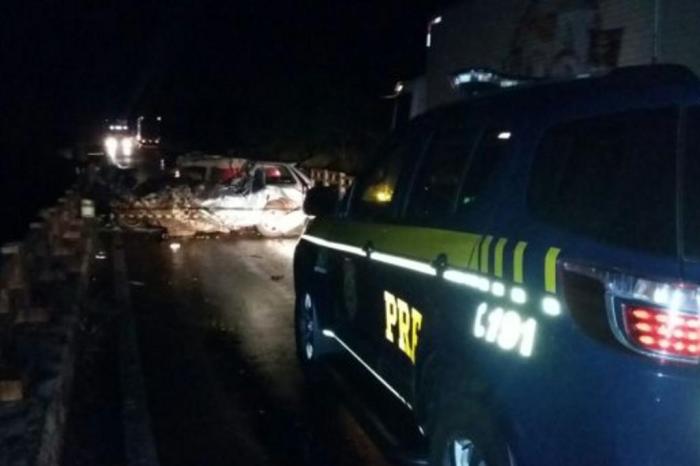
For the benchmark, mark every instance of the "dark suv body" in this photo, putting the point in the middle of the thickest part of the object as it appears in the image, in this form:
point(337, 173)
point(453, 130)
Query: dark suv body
point(521, 270)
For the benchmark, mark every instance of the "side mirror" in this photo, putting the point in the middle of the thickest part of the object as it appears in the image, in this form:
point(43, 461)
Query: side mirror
point(321, 200)
point(258, 180)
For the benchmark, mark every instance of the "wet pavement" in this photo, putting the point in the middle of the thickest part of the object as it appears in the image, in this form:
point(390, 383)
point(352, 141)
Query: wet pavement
point(94, 433)
point(215, 326)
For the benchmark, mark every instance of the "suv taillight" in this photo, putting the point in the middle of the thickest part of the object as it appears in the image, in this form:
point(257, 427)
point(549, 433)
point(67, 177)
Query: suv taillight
point(655, 318)
point(662, 332)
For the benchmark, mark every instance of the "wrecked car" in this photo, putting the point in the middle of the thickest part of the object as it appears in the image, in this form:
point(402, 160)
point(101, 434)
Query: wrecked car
point(216, 195)
point(269, 197)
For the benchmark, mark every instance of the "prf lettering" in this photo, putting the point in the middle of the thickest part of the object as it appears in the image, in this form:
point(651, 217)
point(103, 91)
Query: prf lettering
point(403, 323)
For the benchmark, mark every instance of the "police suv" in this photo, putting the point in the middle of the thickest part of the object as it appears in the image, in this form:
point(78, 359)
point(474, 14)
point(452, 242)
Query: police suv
point(522, 270)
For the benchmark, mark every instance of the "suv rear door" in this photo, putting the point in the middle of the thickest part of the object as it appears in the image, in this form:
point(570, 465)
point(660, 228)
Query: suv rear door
point(445, 216)
point(372, 206)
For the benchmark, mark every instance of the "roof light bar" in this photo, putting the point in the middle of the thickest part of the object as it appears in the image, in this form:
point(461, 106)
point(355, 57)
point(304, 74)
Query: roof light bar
point(482, 76)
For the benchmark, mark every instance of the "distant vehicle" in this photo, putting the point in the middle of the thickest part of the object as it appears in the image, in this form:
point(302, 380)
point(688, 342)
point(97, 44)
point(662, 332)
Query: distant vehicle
point(148, 131)
point(522, 272)
point(119, 143)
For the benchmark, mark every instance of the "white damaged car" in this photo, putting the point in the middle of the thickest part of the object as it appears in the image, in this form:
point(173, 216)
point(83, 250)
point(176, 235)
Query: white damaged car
point(268, 196)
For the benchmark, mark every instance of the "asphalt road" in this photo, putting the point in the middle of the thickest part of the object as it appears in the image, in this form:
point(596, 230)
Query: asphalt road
point(215, 329)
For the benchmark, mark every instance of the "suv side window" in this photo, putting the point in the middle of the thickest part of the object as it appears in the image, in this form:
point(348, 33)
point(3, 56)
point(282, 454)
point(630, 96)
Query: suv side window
point(373, 195)
point(492, 149)
point(611, 178)
point(437, 182)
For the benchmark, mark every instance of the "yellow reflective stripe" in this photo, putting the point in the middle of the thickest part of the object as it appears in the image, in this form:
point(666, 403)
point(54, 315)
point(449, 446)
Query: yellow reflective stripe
point(464, 250)
point(484, 248)
point(498, 257)
point(474, 259)
point(550, 270)
point(518, 254)
point(418, 243)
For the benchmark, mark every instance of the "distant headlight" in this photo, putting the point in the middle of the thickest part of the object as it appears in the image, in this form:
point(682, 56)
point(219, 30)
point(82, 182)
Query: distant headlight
point(127, 146)
point(111, 146)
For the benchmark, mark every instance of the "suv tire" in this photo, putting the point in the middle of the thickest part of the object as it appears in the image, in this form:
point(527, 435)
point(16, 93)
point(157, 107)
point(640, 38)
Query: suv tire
point(464, 436)
point(311, 346)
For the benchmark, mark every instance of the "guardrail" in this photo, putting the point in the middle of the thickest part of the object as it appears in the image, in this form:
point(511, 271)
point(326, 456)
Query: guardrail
point(331, 178)
point(53, 248)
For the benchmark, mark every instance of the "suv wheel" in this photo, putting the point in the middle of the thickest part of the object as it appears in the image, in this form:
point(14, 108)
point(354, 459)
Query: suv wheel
point(456, 442)
point(311, 345)
point(462, 451)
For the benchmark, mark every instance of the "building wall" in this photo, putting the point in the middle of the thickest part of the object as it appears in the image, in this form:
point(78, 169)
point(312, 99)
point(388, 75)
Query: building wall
point(679, 33)
point(635, 19)
point(558, 38)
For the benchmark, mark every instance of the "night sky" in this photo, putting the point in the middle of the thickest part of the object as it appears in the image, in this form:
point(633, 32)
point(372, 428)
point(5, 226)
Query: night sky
point(203, 65)
point(252, 76)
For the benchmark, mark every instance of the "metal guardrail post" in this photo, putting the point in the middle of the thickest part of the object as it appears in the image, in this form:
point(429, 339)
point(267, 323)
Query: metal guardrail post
point(27, 271)
point(12, 287)
point(332, 178)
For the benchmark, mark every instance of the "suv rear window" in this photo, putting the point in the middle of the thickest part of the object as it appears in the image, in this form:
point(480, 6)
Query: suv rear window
point(611, 178)
point(691, 173)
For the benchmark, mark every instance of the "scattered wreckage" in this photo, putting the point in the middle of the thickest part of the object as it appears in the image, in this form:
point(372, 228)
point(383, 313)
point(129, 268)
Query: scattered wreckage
point(220, 195)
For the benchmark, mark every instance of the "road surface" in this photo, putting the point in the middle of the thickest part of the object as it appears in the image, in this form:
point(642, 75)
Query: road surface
point(214, 320)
